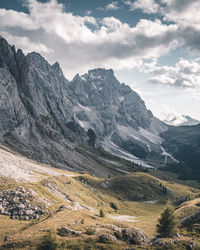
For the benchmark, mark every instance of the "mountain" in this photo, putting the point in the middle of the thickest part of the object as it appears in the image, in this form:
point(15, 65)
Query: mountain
point(41, 112)
point(183, 142)
point(180, 120)
point(87, 124)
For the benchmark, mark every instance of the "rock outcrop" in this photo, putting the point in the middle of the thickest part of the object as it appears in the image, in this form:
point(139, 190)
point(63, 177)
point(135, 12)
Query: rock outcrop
point(65, 231)
point(22, 204)
point(132, 235)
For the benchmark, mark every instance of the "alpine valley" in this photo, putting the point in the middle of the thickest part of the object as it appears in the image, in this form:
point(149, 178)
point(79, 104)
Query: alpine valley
point(71, 148)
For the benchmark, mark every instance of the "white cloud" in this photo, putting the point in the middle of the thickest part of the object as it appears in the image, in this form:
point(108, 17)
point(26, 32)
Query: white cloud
point(26, 44)
point(179, 11)
point(110, 6)
point(65, 37)
point(68, 38)
point(88, 12)
point(148, 6)
point(185, 74)
point(11, 18)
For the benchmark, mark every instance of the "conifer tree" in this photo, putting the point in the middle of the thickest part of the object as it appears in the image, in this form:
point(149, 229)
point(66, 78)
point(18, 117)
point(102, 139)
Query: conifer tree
point(167, 223)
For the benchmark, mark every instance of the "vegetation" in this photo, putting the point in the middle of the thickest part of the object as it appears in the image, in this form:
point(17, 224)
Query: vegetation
point(101, 212)
point(48, 242)
point(167, 223)
point(90, 230)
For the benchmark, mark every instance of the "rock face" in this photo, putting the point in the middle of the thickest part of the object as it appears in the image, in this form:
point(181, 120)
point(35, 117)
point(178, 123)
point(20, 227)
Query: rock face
point(21, 204)
point(116, 114)
point(41, 112)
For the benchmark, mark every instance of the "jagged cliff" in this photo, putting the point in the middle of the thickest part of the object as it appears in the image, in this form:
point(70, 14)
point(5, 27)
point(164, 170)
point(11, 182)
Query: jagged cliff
point(46, 116)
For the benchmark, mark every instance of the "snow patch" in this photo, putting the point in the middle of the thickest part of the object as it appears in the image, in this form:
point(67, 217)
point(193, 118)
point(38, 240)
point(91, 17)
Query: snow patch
point(123, 218)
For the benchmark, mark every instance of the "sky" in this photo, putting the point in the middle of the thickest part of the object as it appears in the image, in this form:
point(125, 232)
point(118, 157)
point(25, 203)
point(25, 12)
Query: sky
point(152, 45)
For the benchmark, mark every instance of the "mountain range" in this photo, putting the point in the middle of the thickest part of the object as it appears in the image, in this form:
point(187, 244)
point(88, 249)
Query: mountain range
point(73, 124)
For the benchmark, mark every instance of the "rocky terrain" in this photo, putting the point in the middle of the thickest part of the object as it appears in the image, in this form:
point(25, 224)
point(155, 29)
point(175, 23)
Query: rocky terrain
point(22, 204)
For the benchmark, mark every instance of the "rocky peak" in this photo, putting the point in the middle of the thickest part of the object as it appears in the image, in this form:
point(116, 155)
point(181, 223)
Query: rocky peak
point(100, 72)
point(7, 58)
point(57, 68)
point(38, 62)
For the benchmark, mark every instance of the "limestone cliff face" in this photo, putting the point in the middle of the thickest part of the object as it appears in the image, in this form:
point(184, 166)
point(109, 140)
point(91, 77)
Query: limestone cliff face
point(116, 113)
point(41, 111)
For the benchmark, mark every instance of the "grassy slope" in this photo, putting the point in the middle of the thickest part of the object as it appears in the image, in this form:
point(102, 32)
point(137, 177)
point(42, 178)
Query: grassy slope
point(88, 191)
point(128, 192)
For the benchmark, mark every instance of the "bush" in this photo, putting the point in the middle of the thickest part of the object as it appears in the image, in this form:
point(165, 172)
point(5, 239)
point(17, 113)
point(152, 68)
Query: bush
point(90, 230)
point(102, 214)
point(48, 242)
point(167, 224)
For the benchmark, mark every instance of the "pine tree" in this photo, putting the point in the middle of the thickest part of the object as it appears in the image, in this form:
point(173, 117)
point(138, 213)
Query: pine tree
point(167, 223)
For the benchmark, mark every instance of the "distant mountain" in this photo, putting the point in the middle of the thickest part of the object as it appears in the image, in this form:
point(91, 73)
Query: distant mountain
point(183, 142)
point(63, 123)
point(180, 120)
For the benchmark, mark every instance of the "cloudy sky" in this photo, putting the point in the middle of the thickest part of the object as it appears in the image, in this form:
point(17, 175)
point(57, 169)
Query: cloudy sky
point(152, 45)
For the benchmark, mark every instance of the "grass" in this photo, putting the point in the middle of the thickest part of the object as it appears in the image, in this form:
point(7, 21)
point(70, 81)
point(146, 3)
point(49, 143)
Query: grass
point(97, 193)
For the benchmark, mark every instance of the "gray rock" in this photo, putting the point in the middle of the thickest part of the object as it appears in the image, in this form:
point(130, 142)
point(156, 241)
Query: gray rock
point(107, 238)
point(20, 204)
point(65, 231)
point(132, 235)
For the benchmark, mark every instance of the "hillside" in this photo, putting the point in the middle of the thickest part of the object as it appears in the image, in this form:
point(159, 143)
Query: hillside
point(184, 144)
point(49, 199)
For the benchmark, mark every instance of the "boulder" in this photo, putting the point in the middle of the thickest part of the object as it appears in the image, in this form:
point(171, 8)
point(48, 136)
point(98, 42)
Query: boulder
point(65, 231)
point(107, 238)
point(132, 235)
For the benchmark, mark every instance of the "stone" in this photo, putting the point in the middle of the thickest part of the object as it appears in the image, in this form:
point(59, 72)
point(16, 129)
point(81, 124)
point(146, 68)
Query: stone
point(65, 231)
point(132, 235)
point(107, 238)
point(20, 204)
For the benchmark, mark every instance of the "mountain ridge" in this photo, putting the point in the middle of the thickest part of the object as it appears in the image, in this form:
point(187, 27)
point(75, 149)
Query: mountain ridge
point(58, 122)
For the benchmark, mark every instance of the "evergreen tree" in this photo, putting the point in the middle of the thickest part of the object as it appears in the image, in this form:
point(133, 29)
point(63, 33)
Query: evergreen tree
point(167, 223)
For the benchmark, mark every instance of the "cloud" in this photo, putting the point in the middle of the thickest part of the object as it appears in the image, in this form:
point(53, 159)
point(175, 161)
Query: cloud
point(179, 11)
point(171, 116)
point(110, 6)
point(88, 12)
point(148, 6)
point(83, 42)
point(68, 38)
point(185, 74)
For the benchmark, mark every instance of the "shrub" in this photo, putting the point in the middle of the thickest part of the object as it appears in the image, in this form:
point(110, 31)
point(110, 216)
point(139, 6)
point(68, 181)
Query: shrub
point(48, 242)
point(90, 230)
point(101, 212)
